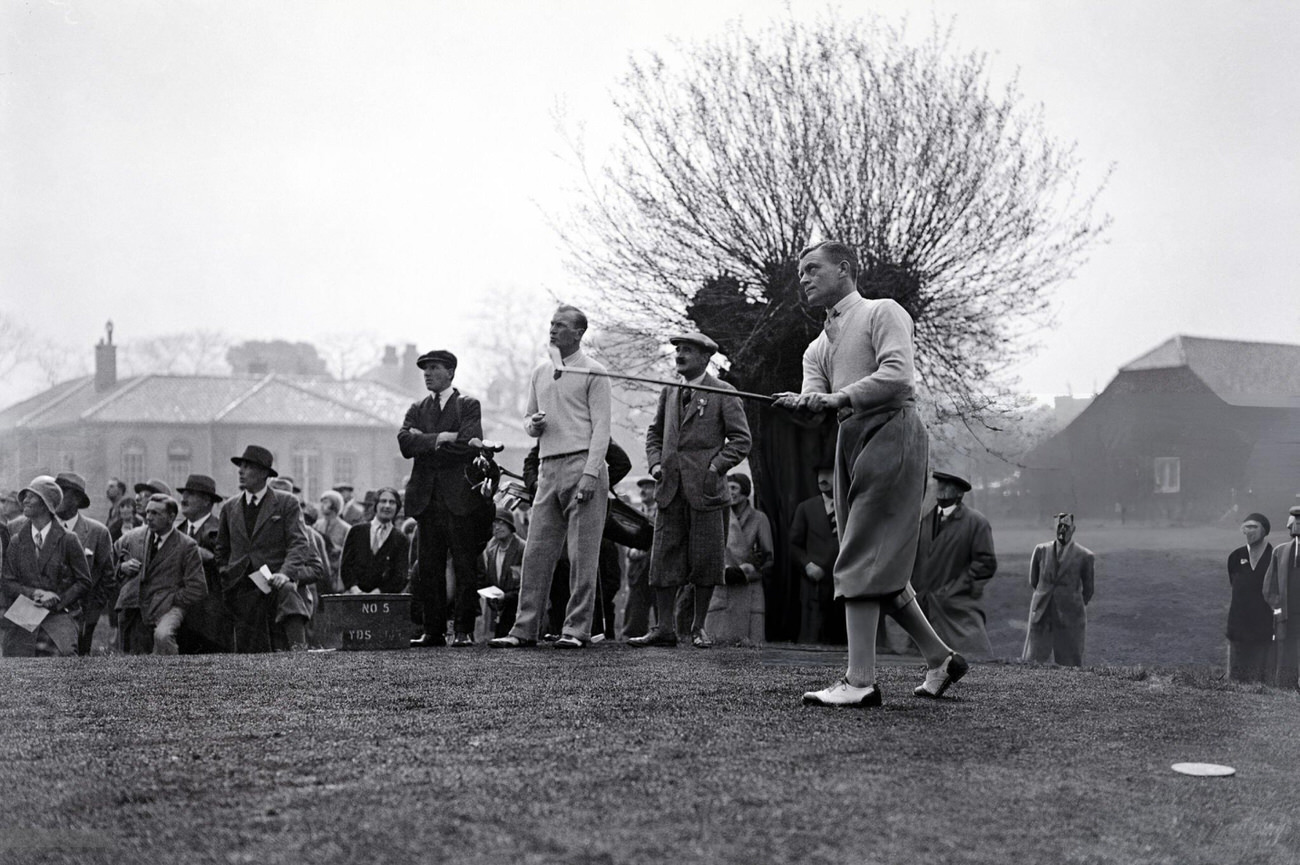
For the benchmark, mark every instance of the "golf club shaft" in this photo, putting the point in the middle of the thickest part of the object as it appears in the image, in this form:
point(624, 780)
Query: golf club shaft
point(704, 387)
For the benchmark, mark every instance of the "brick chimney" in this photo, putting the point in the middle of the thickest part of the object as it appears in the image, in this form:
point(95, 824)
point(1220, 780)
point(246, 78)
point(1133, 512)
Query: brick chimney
point(390, 355)
point(106, 361)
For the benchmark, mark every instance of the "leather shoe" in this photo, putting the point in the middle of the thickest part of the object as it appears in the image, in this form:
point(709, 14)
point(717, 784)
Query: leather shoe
point(568, 642)
point(937, 680)
point(701, 640)
point(425, 641)
point(654, 638)
point(461, 641)
point(510, 641)
point(844, 695)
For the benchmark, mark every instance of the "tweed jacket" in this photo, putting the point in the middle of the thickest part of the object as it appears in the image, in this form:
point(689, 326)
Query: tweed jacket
point(439, 471)
point(383, 569)
point(487, 566)
point(713, 432)
point(1061, 582)
point(59, 566)
point(98, 546)
point(172, 578)
point(279, 540)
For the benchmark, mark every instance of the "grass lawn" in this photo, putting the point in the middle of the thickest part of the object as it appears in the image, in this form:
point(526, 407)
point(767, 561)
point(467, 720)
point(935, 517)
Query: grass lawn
point(614, 755)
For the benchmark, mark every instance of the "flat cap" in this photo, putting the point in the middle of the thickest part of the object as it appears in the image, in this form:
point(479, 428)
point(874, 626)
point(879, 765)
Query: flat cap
point(439, 356)
point(695, 338)
point(1294, 511)
point(153, 485)
point(956, 480)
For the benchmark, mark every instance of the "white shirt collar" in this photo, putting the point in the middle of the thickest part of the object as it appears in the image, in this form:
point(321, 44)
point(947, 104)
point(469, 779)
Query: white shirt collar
point(257, 496)
point(193, 526)
point(444, 395)
point(39, 535)
point(846, 302)
point(71, 524)
point(947, 512)
point(163, 537)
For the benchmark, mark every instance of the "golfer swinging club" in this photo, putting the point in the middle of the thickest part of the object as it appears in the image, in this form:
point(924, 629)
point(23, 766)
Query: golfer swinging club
point(861, 366)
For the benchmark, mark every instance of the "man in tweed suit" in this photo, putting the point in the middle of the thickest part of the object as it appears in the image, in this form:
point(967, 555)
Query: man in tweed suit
point(694, 440)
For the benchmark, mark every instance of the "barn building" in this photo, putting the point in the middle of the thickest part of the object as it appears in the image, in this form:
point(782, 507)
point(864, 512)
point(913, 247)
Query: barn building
point(1194, 430)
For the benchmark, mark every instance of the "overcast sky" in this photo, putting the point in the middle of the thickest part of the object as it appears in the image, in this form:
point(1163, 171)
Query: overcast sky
point(287, 169)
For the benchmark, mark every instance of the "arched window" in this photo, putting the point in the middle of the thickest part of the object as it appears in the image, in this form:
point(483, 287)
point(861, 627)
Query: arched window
point(180, 459)
point(133, 462)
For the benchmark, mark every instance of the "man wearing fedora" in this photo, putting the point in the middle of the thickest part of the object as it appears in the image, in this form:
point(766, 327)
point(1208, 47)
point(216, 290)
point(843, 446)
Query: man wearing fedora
point(207, 626)
point(260, 526)
point(98, 547)
point(46, 564)
point(954, 562)
point(436, 434)
point(695, 439)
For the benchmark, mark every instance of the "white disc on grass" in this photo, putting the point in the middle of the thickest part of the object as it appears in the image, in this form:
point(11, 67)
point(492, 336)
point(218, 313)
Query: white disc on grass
point(1204, 770)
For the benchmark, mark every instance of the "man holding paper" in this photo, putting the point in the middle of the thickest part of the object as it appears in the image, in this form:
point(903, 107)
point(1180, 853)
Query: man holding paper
point(44, 567)
point(260, 527)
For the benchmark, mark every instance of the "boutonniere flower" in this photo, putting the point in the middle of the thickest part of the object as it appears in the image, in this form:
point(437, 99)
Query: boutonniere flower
point(701, 401)
point(1245, 561)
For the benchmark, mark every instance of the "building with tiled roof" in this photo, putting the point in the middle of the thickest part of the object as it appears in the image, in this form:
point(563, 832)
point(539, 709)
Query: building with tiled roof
point(322, 432)
point(1194, 429)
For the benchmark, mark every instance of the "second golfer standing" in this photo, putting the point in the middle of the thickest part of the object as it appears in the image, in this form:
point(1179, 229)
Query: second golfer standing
point(568, 413)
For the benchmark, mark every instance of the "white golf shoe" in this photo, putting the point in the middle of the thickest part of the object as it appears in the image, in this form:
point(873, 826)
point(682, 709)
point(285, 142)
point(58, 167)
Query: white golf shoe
point(844, 694)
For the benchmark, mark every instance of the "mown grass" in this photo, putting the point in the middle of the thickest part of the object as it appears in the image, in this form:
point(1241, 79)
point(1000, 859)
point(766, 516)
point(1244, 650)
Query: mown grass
point(613, 755)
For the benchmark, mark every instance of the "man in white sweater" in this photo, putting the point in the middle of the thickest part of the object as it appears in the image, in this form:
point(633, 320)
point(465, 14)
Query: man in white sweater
point(568, 412)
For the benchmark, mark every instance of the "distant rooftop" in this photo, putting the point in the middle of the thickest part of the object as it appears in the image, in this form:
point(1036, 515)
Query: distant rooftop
point(1258, 374)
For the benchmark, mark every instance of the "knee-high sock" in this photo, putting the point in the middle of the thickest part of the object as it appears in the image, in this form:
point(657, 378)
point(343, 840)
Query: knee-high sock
point(665, 602)
point(703, 594)
point(918, 627)
point(861, 619)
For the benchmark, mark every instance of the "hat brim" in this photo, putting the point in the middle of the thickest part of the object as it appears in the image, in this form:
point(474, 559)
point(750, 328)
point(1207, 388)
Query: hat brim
point(270, 471)
point(145, 488)
point(83, 500)
point(215, 496)
point(959, 483)
point(52, 507)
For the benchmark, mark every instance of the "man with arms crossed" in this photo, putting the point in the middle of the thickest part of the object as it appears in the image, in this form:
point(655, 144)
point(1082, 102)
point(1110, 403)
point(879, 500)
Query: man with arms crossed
point(568, 413)
point(861, 366)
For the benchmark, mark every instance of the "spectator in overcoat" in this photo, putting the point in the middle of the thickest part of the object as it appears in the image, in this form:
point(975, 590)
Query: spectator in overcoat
point(46, 564)
point(207, 626)
point(1282, 592)
point(1250, 619)
point(98, 546)
point(375, 554)
point(814, 544)
point(954, 561)
point(1061, 573)
point(261, 526)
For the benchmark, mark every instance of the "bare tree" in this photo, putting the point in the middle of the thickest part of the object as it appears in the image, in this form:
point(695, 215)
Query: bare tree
point(739, 151)
point(30, 360)
point(191, 352)
point(348, 354)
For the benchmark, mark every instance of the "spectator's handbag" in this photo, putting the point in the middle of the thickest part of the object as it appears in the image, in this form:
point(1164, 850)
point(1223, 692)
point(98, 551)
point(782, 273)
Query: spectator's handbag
point(627, 526)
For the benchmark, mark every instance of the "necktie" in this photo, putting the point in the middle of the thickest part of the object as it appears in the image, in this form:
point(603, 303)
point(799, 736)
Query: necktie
point(686, 399)
point(381, 534)
point(193, 530)
point(835, 526)
point(40, 541)
point(833, 325)
point(154, 544)
point(437, 402)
